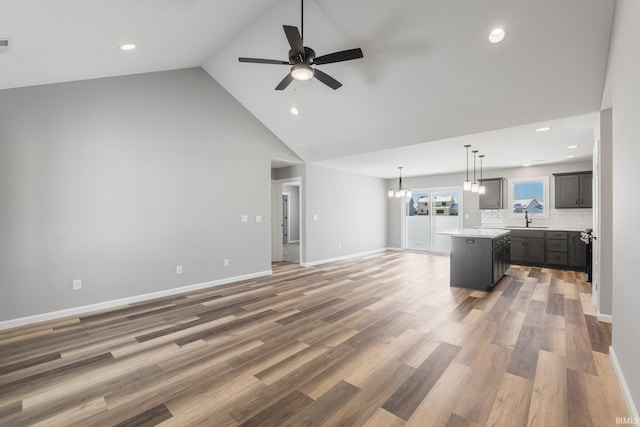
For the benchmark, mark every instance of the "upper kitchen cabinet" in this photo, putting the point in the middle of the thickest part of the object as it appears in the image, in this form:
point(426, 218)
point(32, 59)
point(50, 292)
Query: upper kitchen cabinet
point(492, 198)
point(574, 190)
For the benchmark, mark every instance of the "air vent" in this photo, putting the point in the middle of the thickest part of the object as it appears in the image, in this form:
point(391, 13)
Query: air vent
point(4, 45)
point(307, 151)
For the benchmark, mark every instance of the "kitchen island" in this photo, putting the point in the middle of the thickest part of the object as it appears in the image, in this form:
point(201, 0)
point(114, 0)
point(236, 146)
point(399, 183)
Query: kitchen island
point(479, 257)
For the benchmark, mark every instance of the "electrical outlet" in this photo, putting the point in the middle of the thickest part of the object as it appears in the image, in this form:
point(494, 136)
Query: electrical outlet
point(178, 269)
point(244, 218)
point(258, 218)
point(225, 262)
point(77, 284)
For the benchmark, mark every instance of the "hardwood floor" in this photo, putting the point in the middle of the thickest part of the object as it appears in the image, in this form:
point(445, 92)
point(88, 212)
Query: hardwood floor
point(379, 341)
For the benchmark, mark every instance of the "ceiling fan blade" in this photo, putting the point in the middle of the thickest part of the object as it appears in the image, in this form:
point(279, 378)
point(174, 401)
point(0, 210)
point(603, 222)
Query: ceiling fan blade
point(294, 38)
point(263, 61)
point(345, 55)
point(285, 82)
point(326, 79)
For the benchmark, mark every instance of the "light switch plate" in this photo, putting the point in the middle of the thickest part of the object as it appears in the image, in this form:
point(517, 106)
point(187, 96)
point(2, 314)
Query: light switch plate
point(316, 217)
point(244, 218)
point(258, 218)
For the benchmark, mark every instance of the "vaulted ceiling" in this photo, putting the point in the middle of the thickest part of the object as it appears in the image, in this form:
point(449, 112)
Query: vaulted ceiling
point(428, 74)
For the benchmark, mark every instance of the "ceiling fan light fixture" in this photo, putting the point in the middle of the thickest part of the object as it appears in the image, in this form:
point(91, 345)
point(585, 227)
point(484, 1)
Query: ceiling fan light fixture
point(302, 72)
point(496, 35)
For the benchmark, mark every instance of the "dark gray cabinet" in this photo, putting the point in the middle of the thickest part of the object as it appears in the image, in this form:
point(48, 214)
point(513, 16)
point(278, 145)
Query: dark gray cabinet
point(556, 245)
point(555, 249)
point(527, 247)
point(501, 257)
point(586, 190)
point(574, 190)
point(478, 262)
point(492, 198)
point(576, 251)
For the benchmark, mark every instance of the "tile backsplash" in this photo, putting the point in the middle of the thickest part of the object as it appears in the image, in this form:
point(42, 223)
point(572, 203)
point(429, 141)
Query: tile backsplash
point(560, 218)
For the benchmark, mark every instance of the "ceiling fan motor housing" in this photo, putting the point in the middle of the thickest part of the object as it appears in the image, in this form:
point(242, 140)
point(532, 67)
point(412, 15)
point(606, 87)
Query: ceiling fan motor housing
point(308, 57)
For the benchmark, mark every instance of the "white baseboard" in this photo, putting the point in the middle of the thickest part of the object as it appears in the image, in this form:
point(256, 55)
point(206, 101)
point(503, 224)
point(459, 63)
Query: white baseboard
point(22, 321)
point(633, 411)
point(293, 241)
point(395, 249)
point(342, 258)
point(607, 318)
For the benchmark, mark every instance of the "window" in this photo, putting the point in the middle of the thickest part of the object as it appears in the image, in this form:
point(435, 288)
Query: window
point(530, 195)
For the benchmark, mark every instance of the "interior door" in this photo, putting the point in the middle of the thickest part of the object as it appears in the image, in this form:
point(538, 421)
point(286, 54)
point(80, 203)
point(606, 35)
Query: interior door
point(285, 218)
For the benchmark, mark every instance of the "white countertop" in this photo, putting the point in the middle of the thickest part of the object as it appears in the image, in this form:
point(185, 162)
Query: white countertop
point(488, 233)
point(532, 227)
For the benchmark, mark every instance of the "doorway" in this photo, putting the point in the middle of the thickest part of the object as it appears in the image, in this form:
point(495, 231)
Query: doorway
point(428, 212)
point(291, 223)
point(286, 221)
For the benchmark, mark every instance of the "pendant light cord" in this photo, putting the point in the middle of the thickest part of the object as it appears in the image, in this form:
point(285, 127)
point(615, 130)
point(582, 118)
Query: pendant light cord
point(467, 147)
point(302, 21)
point(475, 152)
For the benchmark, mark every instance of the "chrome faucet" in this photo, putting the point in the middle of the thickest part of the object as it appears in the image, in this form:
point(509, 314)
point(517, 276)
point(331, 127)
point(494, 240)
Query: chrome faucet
point(527, 221)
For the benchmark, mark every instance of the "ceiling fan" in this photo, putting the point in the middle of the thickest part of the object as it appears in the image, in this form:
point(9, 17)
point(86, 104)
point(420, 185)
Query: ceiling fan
point(303, 58)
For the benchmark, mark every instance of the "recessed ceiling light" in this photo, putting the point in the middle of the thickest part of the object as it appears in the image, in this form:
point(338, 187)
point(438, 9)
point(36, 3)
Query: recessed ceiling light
point(496, 35)
point(527, 165)
point(294, 111)
point(573, 146)
point(128, 46)
point(543, 129)
point(570, 157)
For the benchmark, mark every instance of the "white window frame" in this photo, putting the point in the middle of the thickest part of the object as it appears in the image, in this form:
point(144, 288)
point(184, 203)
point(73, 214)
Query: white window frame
point(544, 180)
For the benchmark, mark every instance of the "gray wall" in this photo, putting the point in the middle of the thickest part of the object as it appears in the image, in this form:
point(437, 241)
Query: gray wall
point(116, 181)
point(624, 69)
point(472, 214)
point(351, 212)
point(605, 234)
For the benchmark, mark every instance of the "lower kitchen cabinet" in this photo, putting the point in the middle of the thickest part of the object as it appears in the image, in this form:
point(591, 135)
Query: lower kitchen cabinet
point(576, 251)
point(527, 247)
point(555, 249)
point(556, 244)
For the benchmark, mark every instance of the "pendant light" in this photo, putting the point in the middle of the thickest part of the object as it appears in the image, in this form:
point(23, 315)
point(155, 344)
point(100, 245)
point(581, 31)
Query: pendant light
point(400, 191)
point(467, 183)
point(474, 186)
point(481, 189)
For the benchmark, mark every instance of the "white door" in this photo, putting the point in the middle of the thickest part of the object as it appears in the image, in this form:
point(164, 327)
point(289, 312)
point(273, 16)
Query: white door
point(285, 218)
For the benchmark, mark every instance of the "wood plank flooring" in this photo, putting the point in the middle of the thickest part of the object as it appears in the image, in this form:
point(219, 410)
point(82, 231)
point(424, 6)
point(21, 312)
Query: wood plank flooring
point(378, 341)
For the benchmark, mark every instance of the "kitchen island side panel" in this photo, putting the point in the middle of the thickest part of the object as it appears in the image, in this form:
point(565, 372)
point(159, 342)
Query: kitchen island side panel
point(471, 262)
